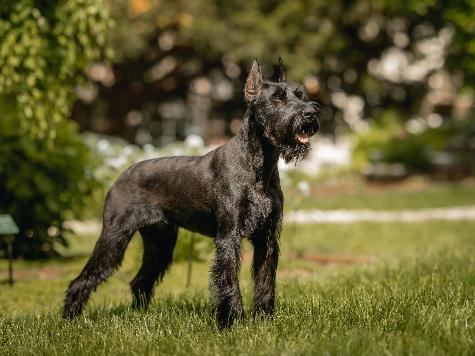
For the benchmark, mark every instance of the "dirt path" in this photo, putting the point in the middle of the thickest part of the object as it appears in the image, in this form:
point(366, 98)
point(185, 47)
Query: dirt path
point(350, 216)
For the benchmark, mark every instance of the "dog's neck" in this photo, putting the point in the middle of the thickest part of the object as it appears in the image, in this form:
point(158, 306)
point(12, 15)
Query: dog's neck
point(252, 141)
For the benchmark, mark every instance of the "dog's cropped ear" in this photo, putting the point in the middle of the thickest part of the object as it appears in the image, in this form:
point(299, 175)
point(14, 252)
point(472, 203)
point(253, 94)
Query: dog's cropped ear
point(282, 78)
point(253, 87)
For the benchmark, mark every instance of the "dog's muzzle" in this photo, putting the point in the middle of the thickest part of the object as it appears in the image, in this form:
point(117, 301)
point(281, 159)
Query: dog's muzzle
point(309, 124)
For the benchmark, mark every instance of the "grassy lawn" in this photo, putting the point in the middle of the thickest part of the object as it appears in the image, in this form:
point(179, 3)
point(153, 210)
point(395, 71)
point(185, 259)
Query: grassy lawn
point(411, 194)
point(363, 288)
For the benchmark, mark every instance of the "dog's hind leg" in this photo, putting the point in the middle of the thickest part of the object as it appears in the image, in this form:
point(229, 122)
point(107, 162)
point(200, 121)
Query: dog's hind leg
point(105, 259)
point(158, 244)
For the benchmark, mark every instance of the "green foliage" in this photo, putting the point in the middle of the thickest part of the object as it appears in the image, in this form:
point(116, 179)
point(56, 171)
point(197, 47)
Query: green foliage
point(368, 142)
point(419, 152)
point(45, 171)
point(42, 184)
point(44, 48)
point(327, 36)
point(461, 14)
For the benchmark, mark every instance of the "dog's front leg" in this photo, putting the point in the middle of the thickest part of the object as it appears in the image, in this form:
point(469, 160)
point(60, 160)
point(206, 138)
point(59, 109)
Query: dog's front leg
point(264, 267)
point(224, 285)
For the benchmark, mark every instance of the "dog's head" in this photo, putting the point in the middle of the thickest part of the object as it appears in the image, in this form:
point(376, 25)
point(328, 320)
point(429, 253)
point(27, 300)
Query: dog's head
point(287, 117)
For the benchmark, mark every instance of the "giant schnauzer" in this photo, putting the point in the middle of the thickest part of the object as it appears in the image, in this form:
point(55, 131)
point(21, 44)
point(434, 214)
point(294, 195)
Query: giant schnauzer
point(231, 193)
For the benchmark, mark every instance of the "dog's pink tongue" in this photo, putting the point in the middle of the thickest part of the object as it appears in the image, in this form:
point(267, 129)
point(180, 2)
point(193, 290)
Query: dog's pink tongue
point(302, 138)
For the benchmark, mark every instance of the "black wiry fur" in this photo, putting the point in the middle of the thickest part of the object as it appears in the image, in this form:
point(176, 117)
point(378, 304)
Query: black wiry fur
point(229, 194)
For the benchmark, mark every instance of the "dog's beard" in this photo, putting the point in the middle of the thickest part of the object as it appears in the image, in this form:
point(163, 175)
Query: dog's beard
point(294, 152)
point(290, 149)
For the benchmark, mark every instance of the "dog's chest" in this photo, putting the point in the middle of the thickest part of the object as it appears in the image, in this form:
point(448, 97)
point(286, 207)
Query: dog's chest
point(257, 207)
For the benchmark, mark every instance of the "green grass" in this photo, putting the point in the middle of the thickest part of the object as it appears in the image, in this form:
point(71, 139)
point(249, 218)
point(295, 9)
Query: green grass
point(415, 194)
point(413, 294)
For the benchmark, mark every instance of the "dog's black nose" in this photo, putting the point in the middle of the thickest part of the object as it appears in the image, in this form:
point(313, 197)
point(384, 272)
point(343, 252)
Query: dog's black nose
point(309, 113)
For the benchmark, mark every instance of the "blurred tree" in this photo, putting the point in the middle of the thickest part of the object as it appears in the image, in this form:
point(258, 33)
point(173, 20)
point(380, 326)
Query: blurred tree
point(461, 15)
point(44, 48)
point(360, 58)
point(366, 56)
point(158, 85)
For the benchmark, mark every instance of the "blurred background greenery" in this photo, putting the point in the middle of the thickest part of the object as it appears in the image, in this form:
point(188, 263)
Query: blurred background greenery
point(88, 87)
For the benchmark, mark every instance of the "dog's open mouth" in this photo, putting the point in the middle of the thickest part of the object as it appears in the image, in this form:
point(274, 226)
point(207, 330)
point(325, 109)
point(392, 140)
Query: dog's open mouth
point(302, 138)
point(306, 131)
point(303, 135)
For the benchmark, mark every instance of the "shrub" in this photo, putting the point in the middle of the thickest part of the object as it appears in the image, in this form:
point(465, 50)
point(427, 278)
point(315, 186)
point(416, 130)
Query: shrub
point(449, 148)
point(45, 168)
point(43, 183)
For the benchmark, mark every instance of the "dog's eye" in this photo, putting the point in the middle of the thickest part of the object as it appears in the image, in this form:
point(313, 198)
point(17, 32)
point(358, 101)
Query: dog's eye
point(278, 97)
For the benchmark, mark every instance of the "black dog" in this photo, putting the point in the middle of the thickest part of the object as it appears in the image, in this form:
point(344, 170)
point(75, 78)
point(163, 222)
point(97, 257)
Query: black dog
point(230, 193)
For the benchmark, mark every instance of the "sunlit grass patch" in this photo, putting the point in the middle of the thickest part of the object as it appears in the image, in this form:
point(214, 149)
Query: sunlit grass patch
point(417, 194)
point(414, 296)
point(418, 306)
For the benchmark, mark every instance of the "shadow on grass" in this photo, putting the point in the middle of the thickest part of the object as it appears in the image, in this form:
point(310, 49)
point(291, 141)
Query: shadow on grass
point(186, 304)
